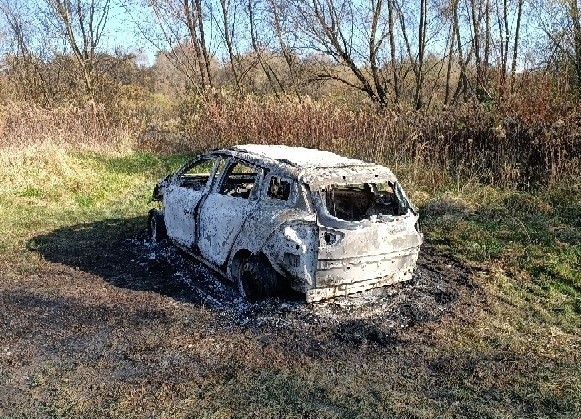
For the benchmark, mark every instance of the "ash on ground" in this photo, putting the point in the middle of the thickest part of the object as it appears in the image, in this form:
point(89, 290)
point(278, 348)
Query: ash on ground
point(376, 316)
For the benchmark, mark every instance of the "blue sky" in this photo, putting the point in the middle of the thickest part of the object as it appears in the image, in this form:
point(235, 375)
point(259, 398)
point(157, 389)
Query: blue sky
point(124, 33)
point(129, 23)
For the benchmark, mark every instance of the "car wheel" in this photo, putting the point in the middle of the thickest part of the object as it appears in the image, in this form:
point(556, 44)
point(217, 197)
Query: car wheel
point(257, 279)
point(156, 225)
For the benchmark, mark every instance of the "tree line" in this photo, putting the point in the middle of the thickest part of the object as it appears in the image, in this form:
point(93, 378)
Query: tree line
point(389, 53)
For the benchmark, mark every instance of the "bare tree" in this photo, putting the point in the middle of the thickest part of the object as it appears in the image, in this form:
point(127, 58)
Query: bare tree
point(194, 18)
point(329, 29)
point(487, 39)
point(573, 9)
point(277, 9)
point(179, 33)
point(450, 10)
point(516, 41)
point(476, 18)
point(561, 22)
point(226, 6)
point(273, 79)
point(392, 50)
point(26, 68)
point(419, 67)
point(463, 83)
point(503, 35)
point(82, 23)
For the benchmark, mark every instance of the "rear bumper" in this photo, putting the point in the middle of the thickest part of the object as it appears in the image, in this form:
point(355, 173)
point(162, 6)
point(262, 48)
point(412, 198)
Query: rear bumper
point(342, 277)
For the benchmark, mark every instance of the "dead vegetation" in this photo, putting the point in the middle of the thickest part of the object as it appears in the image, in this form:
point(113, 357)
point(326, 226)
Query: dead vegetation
point(504, 147)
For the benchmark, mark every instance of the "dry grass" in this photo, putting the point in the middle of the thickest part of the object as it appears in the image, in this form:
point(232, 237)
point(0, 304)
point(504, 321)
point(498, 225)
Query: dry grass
point(468, 143)
point(433, 149)
point(23, 125)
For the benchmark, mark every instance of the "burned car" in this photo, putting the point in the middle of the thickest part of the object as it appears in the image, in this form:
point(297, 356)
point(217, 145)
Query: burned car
point(269, 217)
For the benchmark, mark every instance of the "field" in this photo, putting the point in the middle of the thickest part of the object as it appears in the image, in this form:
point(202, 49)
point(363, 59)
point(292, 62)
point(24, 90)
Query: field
point(96, 320)
point(475, 106)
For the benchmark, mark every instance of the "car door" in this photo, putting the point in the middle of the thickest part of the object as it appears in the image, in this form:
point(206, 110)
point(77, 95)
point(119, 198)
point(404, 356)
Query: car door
point(224, 211)
point(183, 196)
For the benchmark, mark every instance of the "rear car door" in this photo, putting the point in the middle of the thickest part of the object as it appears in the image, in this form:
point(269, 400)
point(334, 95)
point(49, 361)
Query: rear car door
point(283, 229)
point(226, 208)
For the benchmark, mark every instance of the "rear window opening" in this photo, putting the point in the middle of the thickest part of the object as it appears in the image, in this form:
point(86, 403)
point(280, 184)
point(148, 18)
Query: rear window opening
point(357, 202)
point(278, 189)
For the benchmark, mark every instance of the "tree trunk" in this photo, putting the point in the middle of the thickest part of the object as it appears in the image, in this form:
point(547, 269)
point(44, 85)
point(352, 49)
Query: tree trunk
point(224, 5)
point(450, 60)
point(422, 28)
point(487, 39)
point(203, 42)
point(392, 51)
point(515, 48)
point(190, 14)
point(577, 43)
point(374, 45)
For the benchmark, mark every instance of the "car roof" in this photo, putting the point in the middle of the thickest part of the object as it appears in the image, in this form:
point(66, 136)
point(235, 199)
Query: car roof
point(299, 157)
point(312, 166)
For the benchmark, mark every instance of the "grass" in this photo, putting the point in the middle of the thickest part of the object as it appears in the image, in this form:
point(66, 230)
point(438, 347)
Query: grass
point(529, 249)
point(150, 355)
point(47, 188)
point(532, 243)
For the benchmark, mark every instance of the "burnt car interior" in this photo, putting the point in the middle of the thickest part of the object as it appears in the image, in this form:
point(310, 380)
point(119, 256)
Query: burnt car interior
point(278, 189)
point(239, 181)
point(356, 202)
point(196, 176)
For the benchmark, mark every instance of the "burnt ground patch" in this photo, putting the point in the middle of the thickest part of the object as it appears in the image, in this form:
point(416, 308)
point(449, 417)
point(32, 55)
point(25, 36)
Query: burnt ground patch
point(108, 323)
point(119, 252)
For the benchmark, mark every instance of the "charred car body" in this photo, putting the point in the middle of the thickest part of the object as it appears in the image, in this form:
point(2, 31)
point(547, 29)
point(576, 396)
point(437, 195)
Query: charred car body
point(274, 216)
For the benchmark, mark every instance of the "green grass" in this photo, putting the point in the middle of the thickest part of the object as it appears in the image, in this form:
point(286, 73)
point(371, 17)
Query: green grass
point(67, 188)
point(530, 242)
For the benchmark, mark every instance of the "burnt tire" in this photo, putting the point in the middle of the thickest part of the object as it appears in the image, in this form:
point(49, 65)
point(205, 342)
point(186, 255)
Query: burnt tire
point(257, 279)
point(156, 225)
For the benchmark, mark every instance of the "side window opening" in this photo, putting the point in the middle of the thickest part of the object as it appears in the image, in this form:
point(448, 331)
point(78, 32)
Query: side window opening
point(239, 181)
point(197, 175)
point(278, 189)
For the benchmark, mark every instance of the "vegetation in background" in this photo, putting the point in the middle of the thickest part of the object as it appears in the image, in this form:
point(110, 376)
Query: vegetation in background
point(502, 147)
point(388, 53)
point(441, 89)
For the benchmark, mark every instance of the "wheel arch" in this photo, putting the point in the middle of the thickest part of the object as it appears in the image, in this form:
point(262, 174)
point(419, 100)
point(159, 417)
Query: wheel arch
point(235, 261)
